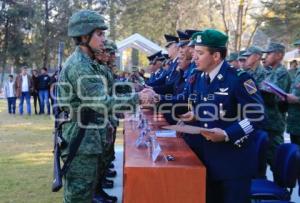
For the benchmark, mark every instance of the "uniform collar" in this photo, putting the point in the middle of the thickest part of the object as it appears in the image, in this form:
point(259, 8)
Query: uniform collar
point(157, 71)
point(175, 60)
point(84, 56)
point(215, 71)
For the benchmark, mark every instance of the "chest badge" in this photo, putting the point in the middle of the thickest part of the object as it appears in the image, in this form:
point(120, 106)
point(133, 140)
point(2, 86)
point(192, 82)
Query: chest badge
point(220, 77)
point(222, 91)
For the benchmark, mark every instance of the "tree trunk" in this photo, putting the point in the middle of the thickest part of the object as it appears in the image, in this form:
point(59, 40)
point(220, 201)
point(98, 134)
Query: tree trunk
point(4, 52)
point(46, 35)
point(210, 4)
point(238, 34)
point(253, 32)
point(112, 19)
point(223, 11)
point(90, 3)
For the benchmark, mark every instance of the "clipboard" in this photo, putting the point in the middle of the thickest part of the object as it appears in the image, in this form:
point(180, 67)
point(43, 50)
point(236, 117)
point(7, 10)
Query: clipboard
point(275, 90)
point(187, 129)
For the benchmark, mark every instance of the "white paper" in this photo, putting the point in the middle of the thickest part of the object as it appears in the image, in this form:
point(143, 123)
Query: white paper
point(165, 133)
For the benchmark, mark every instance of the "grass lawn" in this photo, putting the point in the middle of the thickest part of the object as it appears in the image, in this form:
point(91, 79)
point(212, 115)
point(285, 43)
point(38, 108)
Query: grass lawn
point(26, 158)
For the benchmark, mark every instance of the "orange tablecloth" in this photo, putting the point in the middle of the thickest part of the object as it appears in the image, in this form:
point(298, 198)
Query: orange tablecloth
point(182, 180)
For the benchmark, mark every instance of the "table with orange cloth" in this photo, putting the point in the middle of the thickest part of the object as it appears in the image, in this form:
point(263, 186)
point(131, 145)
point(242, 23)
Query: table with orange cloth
point(182, 180)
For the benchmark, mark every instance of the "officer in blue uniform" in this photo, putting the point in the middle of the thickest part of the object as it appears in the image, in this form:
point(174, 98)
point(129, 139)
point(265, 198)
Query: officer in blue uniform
point(156, 68)
point(185, 52)
point(172, 75)
point(227, 102)
point(184, 71)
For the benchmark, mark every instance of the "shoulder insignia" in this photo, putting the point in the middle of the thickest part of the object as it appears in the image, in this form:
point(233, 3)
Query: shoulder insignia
point(250, 86)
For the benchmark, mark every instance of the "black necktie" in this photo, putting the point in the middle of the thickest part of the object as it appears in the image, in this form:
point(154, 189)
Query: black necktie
point(207, 79)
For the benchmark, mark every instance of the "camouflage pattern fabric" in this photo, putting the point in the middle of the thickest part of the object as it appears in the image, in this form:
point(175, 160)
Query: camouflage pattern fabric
point(275, 118)
point(80, 181)
point(259, 74)
point(84, 22)
point(293, 126)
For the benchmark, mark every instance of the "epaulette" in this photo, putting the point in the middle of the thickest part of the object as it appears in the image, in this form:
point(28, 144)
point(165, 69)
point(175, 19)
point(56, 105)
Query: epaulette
point(240, 71)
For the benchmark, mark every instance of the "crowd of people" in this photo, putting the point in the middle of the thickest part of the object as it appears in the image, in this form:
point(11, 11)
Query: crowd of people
point(25, 87)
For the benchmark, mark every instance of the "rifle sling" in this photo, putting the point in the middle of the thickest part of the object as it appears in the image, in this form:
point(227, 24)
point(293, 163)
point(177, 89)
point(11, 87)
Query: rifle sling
point(74, 146)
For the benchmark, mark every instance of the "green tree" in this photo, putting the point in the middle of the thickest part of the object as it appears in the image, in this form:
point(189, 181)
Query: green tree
point(282, 21)
point(13, 28)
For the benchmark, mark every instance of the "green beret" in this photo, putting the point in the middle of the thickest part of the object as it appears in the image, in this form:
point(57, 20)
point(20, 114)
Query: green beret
point(297, 43)
point(210, 38)
point(275, 47)
point(253, 50)
point(233, 56)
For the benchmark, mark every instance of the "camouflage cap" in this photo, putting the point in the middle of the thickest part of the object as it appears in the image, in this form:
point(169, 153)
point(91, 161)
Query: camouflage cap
point(210, 38)
point(110, 46)
point(135, 69)
point(275, 47)
point(297, 43)
point(241, 57)
point(233, 56)
point(84, 22)
point(253, 50)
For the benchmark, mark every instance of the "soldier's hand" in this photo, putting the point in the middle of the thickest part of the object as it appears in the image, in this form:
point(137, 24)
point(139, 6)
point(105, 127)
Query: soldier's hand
point(292, 98)
point(214, 135)
point(146, 97)
point(138, 87)
point(147, 90)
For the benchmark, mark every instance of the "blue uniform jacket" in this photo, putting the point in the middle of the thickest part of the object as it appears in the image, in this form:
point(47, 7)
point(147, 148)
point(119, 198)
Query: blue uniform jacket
point(157, 78)
point(171, 78)
point(230, 102)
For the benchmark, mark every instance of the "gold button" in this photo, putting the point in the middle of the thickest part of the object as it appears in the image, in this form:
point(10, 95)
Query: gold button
point(205, 112)
point(205, 125)
point(205, 99)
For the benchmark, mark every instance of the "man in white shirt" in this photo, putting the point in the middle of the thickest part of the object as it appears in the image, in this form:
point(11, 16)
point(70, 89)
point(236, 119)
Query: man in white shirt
point(10, 94)
point(23, 90)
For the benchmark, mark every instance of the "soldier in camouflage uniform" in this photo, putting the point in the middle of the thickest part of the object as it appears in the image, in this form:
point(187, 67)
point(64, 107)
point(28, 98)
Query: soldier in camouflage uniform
point(233, 59)
point(274, 107)
point(293, 69)
point(81, 87)
point(253, 66)
point(293, 126)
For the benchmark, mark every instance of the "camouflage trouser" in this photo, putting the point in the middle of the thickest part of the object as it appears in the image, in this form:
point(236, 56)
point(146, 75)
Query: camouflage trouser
point(82, 179)
point(110, 150)
point(106, 159)
point(275, 139)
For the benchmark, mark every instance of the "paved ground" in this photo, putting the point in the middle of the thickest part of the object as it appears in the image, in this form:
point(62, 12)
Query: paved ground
point(118, 181)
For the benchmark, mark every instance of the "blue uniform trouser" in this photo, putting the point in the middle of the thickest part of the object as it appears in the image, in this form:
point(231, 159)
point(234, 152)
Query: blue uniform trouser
point(44, 99)
point(228, 191)
point(11, 102)
point(26, 96)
